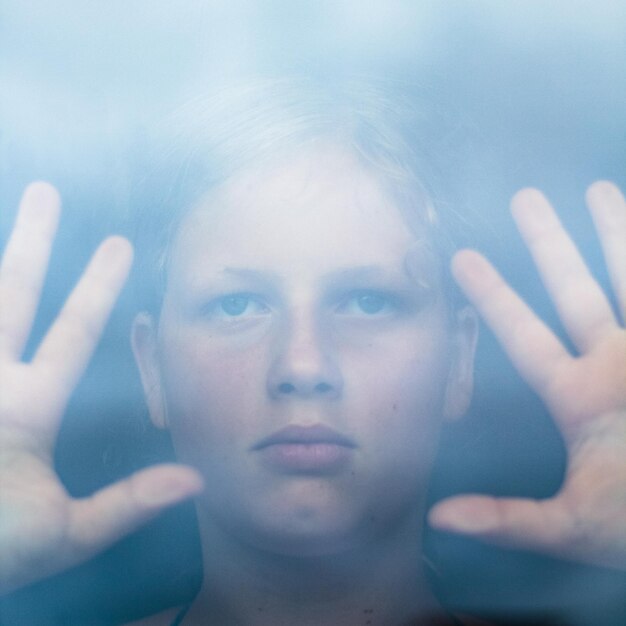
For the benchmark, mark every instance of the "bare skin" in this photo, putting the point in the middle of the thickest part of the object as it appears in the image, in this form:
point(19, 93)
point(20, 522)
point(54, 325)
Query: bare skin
point(43, 530)
point(585, 393)
point(302, 245)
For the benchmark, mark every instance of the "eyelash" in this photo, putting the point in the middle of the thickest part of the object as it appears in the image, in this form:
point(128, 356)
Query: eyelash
point(238, 303)
point(369, 303)
point(366, 303)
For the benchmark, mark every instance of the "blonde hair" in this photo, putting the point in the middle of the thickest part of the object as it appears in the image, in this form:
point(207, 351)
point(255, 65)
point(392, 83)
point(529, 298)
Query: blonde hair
point(216, 135)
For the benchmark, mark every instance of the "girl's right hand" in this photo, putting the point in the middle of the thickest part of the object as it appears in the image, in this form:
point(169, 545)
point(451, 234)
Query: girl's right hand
point(43, 529)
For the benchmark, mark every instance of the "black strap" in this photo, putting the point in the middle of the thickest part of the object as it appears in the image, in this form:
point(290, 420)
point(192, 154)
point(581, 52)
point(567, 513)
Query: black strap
point(179, 618)
point(181, 615)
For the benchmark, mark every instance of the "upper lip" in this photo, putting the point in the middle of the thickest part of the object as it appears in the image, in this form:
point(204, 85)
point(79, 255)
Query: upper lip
point(294, 433)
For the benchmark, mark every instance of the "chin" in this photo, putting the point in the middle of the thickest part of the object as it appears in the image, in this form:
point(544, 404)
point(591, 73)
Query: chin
point(316, 542)
point(307, 531)
point(309, 517)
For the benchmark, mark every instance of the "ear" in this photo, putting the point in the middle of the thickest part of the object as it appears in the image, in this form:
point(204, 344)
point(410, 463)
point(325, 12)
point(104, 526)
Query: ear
point(460, 384)
point(144, 342)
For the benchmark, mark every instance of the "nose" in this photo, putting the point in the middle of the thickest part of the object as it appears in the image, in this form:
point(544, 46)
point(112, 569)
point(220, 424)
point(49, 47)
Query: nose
point(304, 363)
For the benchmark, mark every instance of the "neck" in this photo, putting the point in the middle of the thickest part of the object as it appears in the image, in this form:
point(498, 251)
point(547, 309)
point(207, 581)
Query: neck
point(381, 582)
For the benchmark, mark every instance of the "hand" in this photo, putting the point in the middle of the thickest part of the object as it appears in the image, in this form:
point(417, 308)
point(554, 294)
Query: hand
point(585, 393)
point(42, 529)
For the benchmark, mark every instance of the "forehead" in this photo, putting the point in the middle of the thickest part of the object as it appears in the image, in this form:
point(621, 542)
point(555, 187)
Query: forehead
point(312, 213)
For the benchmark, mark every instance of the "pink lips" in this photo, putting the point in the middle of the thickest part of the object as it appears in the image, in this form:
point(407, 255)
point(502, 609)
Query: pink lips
point(317, 449)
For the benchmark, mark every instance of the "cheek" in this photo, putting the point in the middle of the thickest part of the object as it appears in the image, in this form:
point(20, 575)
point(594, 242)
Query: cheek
point(401, 387)
point(212, 393)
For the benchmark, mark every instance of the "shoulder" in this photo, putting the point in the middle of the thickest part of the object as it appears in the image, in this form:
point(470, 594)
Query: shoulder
point(165, 618)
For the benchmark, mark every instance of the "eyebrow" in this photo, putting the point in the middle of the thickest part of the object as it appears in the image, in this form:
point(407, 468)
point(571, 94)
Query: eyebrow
point(268, 280)
point(244, 272)
point(366, 272)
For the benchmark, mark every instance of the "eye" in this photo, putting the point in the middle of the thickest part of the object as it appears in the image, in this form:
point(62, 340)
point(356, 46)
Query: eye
point(367, 303)
point(236, 305)
point(371, 303)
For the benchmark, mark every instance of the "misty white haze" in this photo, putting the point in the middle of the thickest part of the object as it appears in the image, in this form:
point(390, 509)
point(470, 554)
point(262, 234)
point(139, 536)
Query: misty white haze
point(535, 96)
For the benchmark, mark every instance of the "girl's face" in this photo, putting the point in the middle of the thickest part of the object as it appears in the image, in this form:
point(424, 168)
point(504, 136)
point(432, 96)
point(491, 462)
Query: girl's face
point(304, 358)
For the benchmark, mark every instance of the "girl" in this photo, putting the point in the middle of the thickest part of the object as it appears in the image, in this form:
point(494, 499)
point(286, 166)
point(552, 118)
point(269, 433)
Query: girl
point(302, 344)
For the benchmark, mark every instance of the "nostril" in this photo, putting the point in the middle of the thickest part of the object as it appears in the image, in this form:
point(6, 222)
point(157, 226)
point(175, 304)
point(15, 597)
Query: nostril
point(323, 388)
point(289, 388)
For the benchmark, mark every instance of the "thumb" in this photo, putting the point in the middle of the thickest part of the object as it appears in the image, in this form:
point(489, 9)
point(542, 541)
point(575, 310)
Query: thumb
point(539, 525)
point(117, 510)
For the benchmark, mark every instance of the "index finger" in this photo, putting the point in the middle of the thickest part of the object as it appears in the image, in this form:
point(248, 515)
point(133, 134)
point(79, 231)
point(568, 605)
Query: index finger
point(532, 347)
point(70, 342)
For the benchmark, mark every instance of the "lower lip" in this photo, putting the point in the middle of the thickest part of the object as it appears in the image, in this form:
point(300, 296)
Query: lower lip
point(306, 457)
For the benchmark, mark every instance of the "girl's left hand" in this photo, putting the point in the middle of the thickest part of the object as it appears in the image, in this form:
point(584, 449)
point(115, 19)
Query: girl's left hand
point(585, 393)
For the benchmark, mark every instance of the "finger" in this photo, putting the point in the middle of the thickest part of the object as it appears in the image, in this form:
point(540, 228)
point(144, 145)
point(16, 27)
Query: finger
point(70, 342)
point(581, 304)
point(608, 209)
point(117, 510)
point(24, 265)
point(529, 343)
point(512, 522)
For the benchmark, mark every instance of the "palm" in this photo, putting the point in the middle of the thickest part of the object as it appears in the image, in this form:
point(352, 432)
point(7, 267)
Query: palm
point(586, 393)
point(43, 529)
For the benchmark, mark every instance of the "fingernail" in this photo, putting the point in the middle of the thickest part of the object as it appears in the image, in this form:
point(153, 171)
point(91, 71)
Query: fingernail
point(469, 263)
point(604, 191)
point(116, 251)
point(40, 199)
point(467, 518)
point(169, 489)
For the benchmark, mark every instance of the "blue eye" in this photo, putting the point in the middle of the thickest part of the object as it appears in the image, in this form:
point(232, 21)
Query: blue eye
point(234, 305)
point(366, 303)
point(371, 303)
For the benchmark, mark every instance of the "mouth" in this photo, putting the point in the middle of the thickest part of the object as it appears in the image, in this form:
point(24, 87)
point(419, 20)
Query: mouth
point(305, 449)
